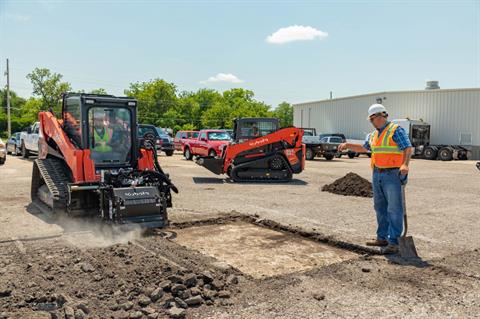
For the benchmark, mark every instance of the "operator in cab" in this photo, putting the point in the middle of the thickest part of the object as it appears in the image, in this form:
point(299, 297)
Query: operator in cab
point(102, 133)
point(391, 151)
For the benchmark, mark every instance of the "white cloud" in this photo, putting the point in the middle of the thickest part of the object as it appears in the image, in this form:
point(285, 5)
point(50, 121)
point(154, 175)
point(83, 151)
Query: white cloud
point(295, 33)
point(223, 77)
point(18, 17)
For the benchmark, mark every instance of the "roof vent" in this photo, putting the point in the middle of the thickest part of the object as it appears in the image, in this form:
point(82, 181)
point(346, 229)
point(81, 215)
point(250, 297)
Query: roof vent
point(432, 85)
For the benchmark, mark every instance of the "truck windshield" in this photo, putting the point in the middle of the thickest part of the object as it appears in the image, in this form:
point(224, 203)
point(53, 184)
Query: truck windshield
point(110, 136)
point(218, 136)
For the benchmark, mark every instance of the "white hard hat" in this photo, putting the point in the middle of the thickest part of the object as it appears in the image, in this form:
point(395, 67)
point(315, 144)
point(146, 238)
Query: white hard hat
point(375, 109)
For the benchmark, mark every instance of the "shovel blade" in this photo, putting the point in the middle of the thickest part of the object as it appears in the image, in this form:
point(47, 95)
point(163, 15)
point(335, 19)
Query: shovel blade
point(407, 247)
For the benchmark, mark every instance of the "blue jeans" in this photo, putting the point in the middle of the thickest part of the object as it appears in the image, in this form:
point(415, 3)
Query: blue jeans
point(387, 200)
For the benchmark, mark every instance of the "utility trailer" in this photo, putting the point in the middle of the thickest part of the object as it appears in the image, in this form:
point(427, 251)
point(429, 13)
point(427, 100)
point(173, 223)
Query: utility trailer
point(419, 134)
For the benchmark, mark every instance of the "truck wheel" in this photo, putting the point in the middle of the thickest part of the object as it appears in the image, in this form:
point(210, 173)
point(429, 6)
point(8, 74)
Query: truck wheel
point(169, 153)
point(25, 152)
point(187, 154)
point(430, 153)
point(351, 155)
point(309, 154)
point(328, 157)
point(445, 154)
point(212, 153)
point(463, 155)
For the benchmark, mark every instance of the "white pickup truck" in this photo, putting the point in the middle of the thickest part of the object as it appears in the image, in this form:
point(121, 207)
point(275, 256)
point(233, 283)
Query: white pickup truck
point(29, 140)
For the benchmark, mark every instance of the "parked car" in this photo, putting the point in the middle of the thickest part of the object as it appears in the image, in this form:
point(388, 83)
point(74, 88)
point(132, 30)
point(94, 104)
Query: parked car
point(14, 144)
point(183, 136)
point(29, 140)
point(208, 143)
point(3, 152)
point(163, 141)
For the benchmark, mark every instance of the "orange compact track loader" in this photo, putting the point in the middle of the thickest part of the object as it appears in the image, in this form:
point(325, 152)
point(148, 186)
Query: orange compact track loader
point(92, 163)
point(260, 151)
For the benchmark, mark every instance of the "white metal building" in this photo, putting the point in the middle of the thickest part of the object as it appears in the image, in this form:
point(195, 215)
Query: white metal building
point(454, 114)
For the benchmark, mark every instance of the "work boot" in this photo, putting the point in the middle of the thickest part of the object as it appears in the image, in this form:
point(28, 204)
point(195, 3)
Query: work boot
point(389, 249)
point(377, 242)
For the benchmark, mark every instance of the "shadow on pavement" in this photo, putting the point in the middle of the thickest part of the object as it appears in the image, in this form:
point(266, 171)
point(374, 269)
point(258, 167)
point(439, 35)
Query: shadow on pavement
point(214, 180)
point(415, 262)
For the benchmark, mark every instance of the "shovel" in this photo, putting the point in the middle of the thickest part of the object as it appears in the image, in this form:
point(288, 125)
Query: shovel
point(406, 245)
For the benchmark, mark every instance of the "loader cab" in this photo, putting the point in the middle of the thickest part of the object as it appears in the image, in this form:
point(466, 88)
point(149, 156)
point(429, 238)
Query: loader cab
point(250, 128)
point(104, 124)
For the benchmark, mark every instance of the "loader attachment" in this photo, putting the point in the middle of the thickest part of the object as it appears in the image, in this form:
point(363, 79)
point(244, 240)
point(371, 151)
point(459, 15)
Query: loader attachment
point(213, 164)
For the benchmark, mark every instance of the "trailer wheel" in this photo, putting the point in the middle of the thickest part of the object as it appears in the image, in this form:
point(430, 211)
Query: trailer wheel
point(328, 157)
point(309, 154)
point(351, 155)
point(462, 155)
point(445, 154)
point(187, 154)
point(430, 153)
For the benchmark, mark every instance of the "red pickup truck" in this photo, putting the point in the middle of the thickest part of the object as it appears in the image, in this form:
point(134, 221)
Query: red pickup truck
point(208, 143)
point(183, 136)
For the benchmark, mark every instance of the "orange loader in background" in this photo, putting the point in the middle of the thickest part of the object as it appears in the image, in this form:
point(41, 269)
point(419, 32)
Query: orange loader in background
point(260, 151)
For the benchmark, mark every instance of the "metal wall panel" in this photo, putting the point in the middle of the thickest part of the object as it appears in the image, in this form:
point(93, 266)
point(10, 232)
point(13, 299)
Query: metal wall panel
point(450, 113)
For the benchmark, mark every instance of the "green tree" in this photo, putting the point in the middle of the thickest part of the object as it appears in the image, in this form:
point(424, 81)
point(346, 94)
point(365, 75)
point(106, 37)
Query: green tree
point(284, 112)
point(219, 115)
point(48, 86)
point(31, 108)
point(16, 103)
point(155, 98)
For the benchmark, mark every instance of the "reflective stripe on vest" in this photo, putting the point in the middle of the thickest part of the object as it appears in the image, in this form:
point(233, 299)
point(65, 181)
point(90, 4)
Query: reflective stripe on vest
point(385, 152)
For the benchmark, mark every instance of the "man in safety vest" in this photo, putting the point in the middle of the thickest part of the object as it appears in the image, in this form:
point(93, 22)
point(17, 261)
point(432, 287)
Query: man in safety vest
point(391, 150)
point(102, 135)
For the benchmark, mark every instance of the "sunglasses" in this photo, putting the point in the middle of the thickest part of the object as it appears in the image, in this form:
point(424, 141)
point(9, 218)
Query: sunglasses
point(373, 117)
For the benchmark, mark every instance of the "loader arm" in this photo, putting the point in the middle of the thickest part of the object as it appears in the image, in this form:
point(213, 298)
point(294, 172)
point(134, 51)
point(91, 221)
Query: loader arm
point(81, 166)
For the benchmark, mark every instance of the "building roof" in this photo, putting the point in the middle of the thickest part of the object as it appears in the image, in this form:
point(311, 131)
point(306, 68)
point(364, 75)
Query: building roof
point(388, 92)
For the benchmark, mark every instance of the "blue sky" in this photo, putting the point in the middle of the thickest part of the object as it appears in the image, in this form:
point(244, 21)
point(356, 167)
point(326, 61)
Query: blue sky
point(371, 45)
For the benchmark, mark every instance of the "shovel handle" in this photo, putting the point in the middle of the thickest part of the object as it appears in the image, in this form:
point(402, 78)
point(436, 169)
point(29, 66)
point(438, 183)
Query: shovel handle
point(403, 181)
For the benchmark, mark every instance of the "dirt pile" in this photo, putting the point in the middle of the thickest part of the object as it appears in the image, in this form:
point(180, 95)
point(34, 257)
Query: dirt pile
point(121, 281)
point(350, 185)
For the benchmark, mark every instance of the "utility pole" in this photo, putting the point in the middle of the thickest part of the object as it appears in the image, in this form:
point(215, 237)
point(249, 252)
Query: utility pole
point(9, 122)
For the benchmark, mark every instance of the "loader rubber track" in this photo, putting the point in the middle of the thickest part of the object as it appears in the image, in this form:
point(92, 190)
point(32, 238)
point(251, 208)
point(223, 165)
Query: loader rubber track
point(52, 173)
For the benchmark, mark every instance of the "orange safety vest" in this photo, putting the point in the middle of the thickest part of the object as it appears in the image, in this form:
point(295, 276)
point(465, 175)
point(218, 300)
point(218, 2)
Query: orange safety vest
point(385, 152)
